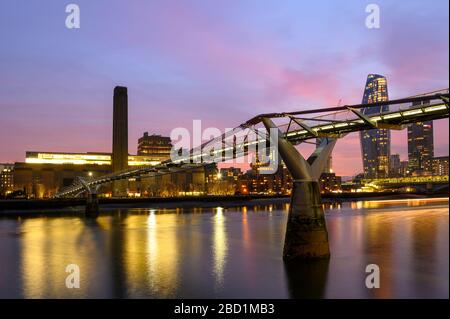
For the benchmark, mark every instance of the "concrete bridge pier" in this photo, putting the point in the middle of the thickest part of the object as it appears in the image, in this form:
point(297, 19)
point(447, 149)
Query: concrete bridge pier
point(306, 231)
point(92, 209)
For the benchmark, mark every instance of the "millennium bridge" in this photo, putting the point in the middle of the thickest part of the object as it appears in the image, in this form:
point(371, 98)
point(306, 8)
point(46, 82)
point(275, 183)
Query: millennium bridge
point(306, 233)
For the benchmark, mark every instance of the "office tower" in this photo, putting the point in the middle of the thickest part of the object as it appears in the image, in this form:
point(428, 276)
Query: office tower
point(394, 165)
point(420, 147)
point(375, 143)
point(404, 169)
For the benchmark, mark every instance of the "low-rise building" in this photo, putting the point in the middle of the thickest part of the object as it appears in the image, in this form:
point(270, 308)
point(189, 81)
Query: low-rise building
point(330, 183)
point(45, 173)
point(440, 165)
point(6, 179)
point(155, 146)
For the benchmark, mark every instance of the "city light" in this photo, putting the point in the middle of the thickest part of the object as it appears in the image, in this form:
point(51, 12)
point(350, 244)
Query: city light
point(85, 159)
point(316, 165)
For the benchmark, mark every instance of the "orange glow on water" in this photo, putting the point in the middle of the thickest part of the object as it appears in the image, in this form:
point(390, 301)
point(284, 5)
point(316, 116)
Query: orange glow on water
point(387, 201)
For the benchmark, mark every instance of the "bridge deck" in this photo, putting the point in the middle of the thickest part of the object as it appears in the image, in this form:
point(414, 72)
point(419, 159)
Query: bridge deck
point(297, 127)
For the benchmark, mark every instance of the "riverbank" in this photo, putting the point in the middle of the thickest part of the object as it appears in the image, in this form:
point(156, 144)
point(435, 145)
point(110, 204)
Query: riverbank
point(71, 207)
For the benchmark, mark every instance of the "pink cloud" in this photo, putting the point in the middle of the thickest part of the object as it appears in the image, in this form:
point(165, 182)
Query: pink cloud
point(238, 58)
point(225, 73)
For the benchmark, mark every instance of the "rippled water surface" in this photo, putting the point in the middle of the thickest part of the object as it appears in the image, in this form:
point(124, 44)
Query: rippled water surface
point(230, 253)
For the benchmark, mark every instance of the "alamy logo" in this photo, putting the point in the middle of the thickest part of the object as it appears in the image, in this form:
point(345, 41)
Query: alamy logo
point(373, 19)
point(373, 279)
point(73, 19)
point(73, 279)
point(235, 146)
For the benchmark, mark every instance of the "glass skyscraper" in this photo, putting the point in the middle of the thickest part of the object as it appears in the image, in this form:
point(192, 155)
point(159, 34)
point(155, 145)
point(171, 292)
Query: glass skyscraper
point(375, 143)
point(420, 147)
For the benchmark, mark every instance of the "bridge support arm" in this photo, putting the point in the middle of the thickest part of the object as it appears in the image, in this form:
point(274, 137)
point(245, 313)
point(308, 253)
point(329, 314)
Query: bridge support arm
point(306, 232)
point(319, 158)
point(295, 163)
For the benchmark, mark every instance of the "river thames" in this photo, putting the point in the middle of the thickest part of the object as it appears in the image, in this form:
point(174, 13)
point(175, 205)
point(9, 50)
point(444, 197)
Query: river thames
point(228, 253)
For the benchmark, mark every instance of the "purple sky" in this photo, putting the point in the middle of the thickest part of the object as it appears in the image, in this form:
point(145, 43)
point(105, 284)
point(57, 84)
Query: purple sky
point(219, 61)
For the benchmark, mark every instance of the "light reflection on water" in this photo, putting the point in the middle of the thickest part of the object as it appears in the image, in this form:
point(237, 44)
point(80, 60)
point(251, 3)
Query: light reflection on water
point(228, 252)
point(219, 246)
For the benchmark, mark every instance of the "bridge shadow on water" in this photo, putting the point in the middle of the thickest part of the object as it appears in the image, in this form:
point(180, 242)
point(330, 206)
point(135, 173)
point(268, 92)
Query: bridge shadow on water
point(114, 244)
point(307, 279)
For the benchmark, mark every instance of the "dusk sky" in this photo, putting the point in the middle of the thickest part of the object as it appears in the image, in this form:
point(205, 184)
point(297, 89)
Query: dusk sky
point(218, 61)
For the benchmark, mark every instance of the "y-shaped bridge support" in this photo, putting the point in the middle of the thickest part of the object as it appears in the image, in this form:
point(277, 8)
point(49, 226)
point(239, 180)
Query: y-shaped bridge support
point(306, 231)
point(92, 209)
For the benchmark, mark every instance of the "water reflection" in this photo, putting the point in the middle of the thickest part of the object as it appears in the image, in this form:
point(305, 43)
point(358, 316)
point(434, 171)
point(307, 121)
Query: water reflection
point(380, 241)
point(307, 279)
point(151, 255)
point(405, 241)
point(227, 253)
point(219, 246)
point(411, 202)
point(48, 246)
point(245, 229)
